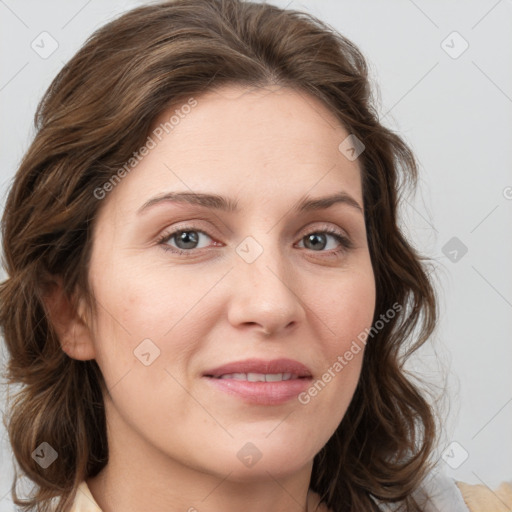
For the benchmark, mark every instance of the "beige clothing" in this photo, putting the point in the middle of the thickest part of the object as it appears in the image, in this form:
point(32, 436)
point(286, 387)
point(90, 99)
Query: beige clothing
point(480, 498)
point(84, 501)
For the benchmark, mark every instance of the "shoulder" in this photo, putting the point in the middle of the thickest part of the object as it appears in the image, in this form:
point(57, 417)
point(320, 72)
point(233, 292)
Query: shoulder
point(436, 493)
point(84, 501)
point(440, 493)
point(480, 498)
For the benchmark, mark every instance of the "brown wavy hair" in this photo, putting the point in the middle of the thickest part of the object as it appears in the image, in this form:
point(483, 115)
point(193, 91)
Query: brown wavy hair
point(95, 114)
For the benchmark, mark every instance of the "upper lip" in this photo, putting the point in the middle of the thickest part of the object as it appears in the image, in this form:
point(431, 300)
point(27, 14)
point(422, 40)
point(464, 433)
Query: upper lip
point(260, 366)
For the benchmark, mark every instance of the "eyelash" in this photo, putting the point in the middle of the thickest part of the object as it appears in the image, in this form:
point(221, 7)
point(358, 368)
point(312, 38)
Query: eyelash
point(346, 243)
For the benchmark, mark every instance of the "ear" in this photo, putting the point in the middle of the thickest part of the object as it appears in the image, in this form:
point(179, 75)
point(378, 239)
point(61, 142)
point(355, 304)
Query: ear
point(69, 323)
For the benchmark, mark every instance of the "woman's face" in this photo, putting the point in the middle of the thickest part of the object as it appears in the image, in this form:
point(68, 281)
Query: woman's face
point(185, 286)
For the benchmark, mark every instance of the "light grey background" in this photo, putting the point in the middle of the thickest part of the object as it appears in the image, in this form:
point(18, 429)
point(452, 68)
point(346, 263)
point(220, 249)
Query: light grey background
point(456, 113)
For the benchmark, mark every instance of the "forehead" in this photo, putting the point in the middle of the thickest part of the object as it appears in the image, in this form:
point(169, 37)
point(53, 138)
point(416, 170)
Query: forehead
point(266, 120)
point(269, 142)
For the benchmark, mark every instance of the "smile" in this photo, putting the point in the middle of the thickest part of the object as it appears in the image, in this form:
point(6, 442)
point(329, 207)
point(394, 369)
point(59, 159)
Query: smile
point(260, 382)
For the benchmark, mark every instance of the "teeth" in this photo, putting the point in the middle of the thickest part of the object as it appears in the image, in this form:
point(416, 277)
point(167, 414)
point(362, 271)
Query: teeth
point(259, 377)
point(273, 377)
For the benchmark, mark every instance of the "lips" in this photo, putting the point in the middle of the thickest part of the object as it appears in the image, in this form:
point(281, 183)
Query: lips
point(260, 382)
point(252, 370)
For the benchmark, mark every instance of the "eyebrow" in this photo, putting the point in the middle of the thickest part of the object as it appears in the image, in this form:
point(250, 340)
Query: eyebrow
point(226, 204)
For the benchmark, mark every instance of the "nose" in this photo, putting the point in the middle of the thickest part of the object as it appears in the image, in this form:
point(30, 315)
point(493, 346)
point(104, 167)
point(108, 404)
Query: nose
point(265, 295)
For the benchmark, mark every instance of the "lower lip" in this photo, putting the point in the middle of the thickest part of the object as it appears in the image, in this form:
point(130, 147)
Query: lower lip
point(262, 393)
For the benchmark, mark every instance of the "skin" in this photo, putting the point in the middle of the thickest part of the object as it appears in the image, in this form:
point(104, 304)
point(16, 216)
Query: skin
point(173, 438)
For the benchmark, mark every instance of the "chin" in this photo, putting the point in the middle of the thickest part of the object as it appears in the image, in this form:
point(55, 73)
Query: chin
point(277, 468)
point(257, 460)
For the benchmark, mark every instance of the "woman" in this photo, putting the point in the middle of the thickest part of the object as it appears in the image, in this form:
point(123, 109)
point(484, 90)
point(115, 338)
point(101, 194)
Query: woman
point(209, 301)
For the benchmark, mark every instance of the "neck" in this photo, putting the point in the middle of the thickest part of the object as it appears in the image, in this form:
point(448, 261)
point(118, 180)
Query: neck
point(134, 492)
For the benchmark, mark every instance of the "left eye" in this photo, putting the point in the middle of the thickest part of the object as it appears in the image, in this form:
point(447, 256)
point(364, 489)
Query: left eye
point(318, 240)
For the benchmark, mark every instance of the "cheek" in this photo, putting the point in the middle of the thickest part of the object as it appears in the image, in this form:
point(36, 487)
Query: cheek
point(347, 309)
point(141, 318)
point(354, 319)
point(139, 302)
point(356, 311)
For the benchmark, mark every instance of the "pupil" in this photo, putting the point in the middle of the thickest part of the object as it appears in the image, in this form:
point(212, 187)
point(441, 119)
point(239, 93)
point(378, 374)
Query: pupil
point(314, 239)
point(187, 239)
